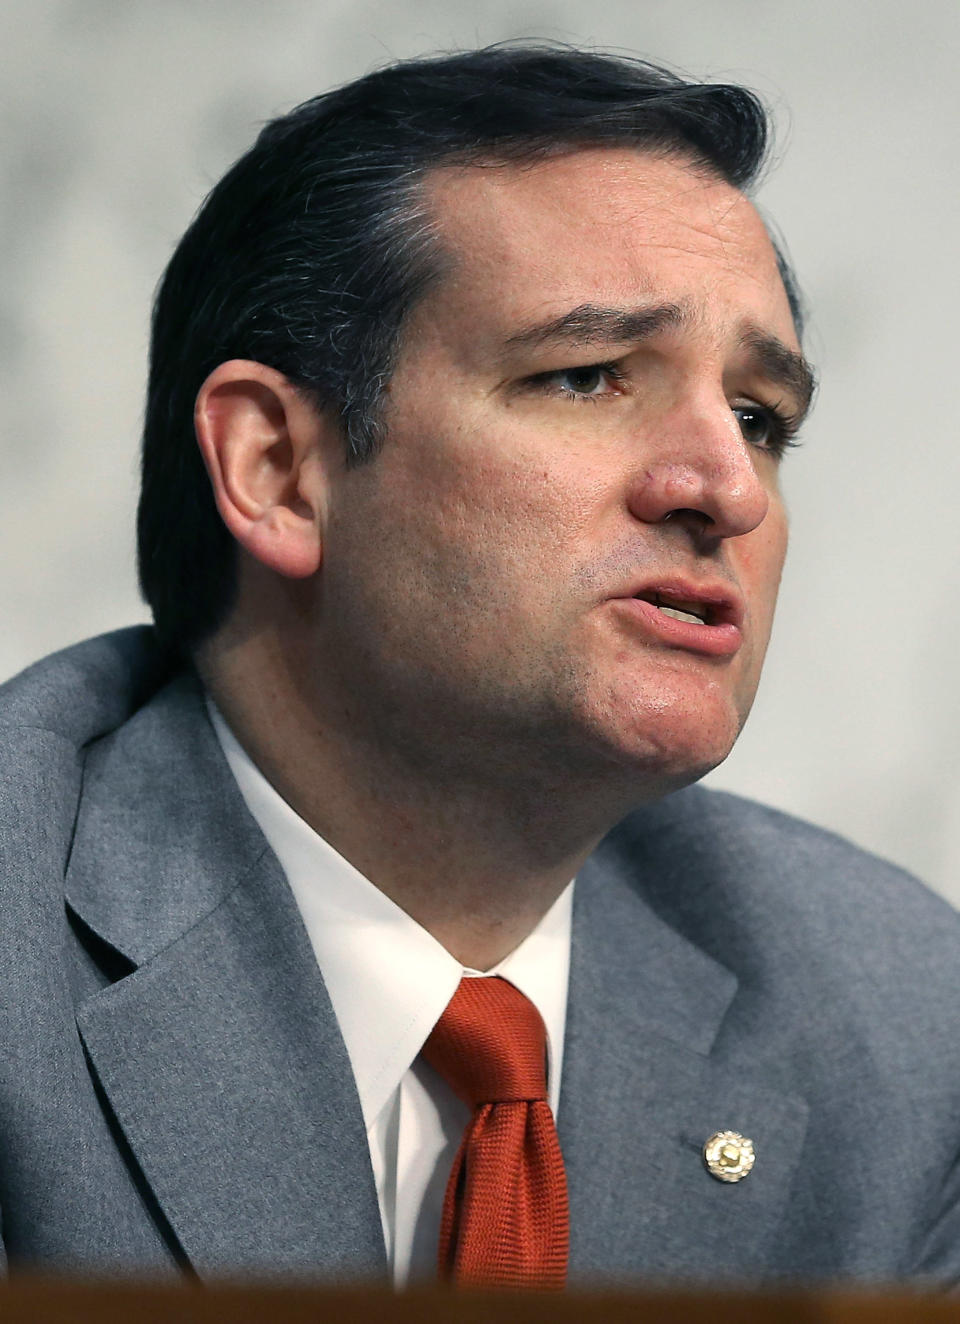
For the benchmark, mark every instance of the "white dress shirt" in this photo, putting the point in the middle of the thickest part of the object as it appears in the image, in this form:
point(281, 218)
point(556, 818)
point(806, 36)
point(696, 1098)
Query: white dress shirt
point(389, 981)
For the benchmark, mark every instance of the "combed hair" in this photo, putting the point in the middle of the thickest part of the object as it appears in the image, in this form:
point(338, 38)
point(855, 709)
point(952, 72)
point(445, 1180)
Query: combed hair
point(312, 250)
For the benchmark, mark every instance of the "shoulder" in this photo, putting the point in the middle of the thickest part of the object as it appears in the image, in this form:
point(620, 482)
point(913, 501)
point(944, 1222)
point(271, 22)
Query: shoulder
point(764, 857)
point(86, 690)
point(49, 715)
point(785, 903)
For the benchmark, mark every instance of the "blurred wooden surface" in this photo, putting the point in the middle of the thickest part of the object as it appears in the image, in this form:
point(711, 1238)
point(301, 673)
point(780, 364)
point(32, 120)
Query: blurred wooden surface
point(53, 1301)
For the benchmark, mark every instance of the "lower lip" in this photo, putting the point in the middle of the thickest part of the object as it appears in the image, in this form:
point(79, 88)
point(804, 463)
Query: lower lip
point(721, 640)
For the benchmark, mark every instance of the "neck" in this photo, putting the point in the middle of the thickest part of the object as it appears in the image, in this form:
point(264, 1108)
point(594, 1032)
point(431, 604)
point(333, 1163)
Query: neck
point(475, 853)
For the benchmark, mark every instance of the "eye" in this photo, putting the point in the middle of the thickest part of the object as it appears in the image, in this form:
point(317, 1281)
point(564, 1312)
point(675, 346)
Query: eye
point(590, 381)
point(582, 381)
point(756, 424)
point(768, 429)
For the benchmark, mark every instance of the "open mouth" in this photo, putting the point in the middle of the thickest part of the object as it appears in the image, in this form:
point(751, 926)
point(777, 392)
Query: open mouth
point(699, 617)
point(695, 613)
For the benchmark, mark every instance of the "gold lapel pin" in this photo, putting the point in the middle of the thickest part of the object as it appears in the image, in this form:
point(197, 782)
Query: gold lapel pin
point(728, 1155)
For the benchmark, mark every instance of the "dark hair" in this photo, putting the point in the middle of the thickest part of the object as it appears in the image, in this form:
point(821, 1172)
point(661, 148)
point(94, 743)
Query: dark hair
point(314, 247)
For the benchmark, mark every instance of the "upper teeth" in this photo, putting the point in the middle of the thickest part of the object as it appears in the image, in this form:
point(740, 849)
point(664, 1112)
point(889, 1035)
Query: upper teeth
point(679, 615)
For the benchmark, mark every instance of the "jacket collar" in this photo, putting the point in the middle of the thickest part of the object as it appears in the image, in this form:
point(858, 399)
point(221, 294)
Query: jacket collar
point(649, 1075)
point(220, 1054)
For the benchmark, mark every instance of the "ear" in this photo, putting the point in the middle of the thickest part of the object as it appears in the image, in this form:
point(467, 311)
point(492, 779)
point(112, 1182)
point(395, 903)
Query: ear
point(261, 443)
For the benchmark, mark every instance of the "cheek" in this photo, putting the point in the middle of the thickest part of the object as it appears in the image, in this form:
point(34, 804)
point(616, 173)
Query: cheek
point(508, 517)
point(760, 559)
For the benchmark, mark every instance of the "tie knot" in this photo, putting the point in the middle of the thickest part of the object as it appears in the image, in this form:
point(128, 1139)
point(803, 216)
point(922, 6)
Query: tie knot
point(490, 1044)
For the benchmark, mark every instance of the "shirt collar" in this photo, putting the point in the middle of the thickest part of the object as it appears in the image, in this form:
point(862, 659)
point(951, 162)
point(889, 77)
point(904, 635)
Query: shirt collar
point(388, 979)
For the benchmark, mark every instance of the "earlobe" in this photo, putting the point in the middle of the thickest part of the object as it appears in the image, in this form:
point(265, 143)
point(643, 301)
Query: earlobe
point(260, 443)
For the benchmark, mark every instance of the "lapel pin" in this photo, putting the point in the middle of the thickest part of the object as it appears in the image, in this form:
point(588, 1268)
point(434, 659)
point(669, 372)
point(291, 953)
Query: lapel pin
point(728, 1155)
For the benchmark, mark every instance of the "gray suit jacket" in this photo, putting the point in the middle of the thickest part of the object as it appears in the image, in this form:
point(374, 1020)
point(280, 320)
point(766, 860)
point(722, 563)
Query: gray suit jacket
point(174, 1091)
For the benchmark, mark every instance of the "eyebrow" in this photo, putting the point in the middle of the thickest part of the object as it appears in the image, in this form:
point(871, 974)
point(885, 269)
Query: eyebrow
point(782, 366)
point(594, 324)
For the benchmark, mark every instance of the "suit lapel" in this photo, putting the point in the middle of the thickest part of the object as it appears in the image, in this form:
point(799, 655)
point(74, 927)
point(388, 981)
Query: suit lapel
point(642, 1090)
point(220, 1054)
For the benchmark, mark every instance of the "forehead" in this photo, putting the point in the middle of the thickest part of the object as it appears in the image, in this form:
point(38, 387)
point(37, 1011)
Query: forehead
point(605, 225)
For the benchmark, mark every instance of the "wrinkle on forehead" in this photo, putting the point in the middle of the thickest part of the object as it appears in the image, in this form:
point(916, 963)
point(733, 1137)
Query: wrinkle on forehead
point(596, 225)
point(590, 188)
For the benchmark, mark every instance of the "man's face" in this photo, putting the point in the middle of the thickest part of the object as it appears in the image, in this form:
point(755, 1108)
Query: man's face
point(581, 430)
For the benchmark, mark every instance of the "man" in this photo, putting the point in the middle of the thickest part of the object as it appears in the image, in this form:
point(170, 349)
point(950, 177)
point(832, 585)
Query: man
point(462, 528)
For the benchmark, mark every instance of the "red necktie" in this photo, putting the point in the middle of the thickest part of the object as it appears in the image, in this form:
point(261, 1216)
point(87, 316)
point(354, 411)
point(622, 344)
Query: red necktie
point(505, 1218)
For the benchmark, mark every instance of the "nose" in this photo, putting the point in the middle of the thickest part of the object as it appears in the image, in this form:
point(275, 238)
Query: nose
point(699, 470)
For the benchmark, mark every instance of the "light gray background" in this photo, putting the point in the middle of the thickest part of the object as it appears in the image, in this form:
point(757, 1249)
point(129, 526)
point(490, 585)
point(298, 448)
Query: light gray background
point(118, 116)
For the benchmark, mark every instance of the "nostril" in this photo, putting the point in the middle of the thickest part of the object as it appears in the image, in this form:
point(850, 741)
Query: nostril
point(686, 511)
point(699, 520)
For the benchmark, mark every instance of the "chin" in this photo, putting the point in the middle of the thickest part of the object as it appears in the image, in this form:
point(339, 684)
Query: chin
point(671, 767)
point(672, 739)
